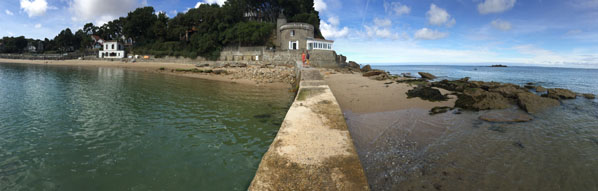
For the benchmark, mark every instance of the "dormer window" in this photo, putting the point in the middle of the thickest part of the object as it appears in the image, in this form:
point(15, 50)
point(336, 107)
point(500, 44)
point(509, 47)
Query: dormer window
point(293, 33)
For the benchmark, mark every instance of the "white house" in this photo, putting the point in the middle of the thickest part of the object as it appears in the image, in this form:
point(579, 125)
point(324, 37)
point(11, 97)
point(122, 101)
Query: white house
point(112, 49)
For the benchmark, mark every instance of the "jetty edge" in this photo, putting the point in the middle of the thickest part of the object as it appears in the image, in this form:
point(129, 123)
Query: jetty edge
point(313, 149)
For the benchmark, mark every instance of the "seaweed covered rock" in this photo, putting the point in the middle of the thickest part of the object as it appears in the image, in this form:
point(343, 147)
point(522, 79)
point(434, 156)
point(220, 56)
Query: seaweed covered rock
point(540, 89)
point(478, 99)
point(589, 96)
point(373, 73)
point(558, 93)
point(426, 93)
point(439, 110)
point(533, 103)
point(427, 75)
point(458, 85)
point(506, 116)
point(508, 90)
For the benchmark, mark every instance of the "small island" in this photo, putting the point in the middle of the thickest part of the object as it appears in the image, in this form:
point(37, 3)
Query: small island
point(499, 66)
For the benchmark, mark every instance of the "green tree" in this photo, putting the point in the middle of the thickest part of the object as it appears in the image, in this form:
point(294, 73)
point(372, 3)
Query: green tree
point(137, 23)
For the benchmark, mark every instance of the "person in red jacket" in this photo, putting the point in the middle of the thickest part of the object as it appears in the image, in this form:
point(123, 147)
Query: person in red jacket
point(303, 58)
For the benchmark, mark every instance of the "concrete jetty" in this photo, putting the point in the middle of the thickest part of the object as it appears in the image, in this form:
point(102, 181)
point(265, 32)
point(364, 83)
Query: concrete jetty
point(313, 149)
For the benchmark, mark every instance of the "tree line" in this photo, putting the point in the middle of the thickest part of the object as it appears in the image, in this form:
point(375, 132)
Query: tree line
point(201, 31)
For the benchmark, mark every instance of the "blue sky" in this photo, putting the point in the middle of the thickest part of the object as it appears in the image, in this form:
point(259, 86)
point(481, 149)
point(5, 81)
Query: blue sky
point(530, 32)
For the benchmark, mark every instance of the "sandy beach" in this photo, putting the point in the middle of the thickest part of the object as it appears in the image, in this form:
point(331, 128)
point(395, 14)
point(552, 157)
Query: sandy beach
point(160, 67)
point(359, 94)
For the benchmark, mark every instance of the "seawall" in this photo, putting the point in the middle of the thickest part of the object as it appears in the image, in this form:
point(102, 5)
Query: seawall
point(313, 149)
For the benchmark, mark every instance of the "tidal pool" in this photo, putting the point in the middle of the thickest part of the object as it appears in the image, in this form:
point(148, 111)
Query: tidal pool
point(84, 128)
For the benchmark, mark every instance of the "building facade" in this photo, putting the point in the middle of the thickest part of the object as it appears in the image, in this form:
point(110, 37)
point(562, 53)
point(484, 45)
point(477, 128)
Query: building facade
point(298, 36)
point(112, 49)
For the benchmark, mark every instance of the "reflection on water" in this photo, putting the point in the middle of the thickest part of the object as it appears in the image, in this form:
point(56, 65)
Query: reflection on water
point(410, 150)
point(71, 128)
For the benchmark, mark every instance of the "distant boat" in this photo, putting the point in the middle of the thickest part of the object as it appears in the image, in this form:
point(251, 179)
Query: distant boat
point(499, 66)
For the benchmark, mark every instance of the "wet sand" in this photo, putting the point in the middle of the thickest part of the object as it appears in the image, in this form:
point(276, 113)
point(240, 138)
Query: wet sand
point(402, 147)
point(148, 67)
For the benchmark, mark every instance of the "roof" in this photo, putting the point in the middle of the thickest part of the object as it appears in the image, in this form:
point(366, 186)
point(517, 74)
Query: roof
point(319, 39)
point(96, 37)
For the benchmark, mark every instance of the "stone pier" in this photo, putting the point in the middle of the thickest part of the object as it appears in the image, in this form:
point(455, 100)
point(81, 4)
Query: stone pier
point(313, 149)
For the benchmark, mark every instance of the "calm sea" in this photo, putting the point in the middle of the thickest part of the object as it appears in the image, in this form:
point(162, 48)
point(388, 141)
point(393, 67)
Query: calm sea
point(75, 128)
point(578, 80)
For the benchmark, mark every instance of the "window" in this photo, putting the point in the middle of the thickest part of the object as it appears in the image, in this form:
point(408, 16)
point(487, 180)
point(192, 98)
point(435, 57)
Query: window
point(106, 47)
point(310, 46)
point(329, 46)
point(293, 33)
point(112, 46)
point(319, 45)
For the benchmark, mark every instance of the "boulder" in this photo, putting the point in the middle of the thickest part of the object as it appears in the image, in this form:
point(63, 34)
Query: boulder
point(505, 116)
point(366, 68)
point(466, 79)
point(533, 103)
point(426, 93)
point(558, 93)
point(589, 96)
point(427, 75)
point(478, 99)
point(540, 89)
point(353, 64)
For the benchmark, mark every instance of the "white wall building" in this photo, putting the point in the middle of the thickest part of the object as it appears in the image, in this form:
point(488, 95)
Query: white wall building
point(112, 49)
point(319, 44)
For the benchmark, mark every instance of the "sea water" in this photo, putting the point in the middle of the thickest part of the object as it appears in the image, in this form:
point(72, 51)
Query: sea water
point(412, 150)
point(89, 128)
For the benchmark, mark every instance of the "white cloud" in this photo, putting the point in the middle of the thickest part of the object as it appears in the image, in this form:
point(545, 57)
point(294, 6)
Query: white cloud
point(380, 29)
point(428, 34)
point(101, 11)
point(382, 22)
point(495, 6)
point(397, 8)
point(320, 5)
point(439, 16)
point(501, 25)
point(331, 28)
point(37, 26)
point(34, 8)
point(8, 12)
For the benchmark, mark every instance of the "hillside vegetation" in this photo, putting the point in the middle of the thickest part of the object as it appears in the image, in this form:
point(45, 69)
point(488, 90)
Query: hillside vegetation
point(201, 31)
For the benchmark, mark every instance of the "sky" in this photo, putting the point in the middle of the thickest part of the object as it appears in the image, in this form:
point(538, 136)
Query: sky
point(562, 33)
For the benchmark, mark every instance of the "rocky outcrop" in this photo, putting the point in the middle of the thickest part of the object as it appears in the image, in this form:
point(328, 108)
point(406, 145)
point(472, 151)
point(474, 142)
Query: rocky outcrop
point(533, 103)
point(479, 99)
point(589, 96)
point(426, 93)
point(558, 93)
point(427, 75)
point(366, 68)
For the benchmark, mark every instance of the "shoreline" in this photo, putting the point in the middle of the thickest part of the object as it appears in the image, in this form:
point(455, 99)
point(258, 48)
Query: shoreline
point(155, 67)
